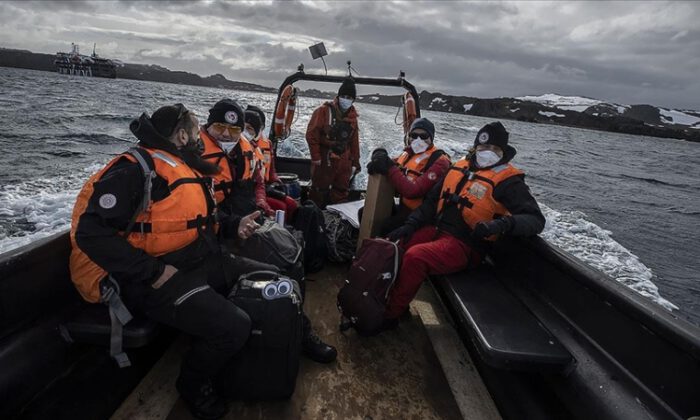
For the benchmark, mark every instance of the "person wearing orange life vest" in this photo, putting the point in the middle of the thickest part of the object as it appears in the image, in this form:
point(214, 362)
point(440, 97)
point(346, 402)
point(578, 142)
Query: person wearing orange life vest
point(145, 222)
point(482, 197)
point(276, 195)
point(413, 173)
point(240, 186)
point(334, 145)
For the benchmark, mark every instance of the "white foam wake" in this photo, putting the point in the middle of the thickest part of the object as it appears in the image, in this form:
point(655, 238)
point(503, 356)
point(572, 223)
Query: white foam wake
point(44, 204)
point(570, 231)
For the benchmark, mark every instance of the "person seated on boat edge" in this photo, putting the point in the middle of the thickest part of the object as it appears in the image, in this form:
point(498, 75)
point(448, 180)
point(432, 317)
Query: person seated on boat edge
point(240, 188)
point(334, 145)
point(156, 241)
point(277, 197)
point(219, 147)
point(413, 173)
point(482, 197)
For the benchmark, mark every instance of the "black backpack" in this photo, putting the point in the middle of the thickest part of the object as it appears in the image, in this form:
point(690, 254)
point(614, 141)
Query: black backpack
point(309, 221)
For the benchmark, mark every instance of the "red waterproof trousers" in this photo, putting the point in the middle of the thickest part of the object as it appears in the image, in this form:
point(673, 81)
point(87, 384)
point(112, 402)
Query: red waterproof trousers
point(427, 252)
point(288, 205)
point(330, 180)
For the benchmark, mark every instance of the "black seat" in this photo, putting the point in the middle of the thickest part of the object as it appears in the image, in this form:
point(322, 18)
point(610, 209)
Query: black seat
point(91, 325)
point(506, 334)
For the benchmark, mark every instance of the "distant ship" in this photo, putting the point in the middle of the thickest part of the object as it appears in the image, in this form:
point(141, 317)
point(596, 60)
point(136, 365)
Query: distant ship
point(74, 63)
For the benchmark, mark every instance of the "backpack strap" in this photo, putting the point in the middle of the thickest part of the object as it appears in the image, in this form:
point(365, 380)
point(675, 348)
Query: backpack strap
point(433, 158)
point(119, 314)
point(149, 172)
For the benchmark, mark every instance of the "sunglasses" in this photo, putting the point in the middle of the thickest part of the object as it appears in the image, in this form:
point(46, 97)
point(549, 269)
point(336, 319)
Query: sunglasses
point(423, 136)
point(233, 130)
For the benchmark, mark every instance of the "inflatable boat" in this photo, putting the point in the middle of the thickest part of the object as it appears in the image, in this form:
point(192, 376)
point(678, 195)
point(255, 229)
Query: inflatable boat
point(532, 333)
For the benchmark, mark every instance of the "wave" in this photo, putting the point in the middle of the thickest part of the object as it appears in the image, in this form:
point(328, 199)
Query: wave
point(570, 231)
point(38, 208)
point(654, 181)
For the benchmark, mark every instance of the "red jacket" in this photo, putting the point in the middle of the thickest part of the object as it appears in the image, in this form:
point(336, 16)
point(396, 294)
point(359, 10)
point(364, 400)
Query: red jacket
point(318, 132)
point(418, 187)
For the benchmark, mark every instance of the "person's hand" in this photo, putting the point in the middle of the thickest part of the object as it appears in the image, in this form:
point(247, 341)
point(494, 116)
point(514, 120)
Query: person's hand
point(316, 162)
point(370, 168)
point(381, 162)
point(168, 272)
point(248, 225)
point(402, 233)
point(493, 227)
point(272, 191)
point(356, 169)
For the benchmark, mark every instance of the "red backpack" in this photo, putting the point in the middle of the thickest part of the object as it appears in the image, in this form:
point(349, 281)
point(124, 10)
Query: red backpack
point(362, 299)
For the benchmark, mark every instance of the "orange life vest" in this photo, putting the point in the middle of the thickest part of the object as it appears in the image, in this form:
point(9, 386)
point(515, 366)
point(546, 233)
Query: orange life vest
point(472, 192)
point(260, 160)
point(167, 225)
point(265, 146)
point(413, 166)
point(223, 181)
point(251, 159)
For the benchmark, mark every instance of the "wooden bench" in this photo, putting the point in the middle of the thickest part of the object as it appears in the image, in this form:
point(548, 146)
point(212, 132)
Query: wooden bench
point(505, 333)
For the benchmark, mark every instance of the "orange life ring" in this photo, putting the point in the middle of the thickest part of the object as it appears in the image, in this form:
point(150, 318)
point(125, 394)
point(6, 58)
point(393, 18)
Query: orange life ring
point(409, 112)
point(284, 114)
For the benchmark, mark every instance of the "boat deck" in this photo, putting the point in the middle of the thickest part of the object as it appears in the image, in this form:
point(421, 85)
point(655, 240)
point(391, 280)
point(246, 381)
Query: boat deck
point(394, 375)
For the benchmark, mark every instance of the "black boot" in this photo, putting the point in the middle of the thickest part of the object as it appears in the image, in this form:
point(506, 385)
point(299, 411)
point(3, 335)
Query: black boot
point(202, 400)
point(317, 350)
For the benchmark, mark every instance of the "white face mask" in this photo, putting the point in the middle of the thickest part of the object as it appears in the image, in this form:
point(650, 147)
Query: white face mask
point(248, 136)
point(228, 145)
point(419, 145)
point(344, 103)
point(486, 158)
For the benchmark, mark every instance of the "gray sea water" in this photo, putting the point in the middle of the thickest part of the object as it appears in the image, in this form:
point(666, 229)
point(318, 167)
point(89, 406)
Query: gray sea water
point(627, 205)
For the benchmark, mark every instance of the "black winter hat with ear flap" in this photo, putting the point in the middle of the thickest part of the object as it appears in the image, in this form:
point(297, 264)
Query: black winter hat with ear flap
point(252, 118)
point(495, 134)
point(227, 111)
point(348, 88)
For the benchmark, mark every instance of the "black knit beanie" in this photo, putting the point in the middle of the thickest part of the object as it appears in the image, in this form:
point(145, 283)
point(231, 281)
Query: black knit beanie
point(165, 118)
point(227, 111)
point(425, 124)
point(348, 88)
point(260, 112)
point(252, 118)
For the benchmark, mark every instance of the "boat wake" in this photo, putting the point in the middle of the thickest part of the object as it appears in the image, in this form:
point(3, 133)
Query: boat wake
point(38, 208)
point(570, 231)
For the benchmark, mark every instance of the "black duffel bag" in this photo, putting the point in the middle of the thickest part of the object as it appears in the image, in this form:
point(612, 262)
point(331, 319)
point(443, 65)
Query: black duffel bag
point(268, 364)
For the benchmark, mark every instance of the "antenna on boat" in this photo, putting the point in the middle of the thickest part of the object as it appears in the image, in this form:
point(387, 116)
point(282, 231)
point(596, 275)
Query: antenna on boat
point(319, 51)
point(351, 69)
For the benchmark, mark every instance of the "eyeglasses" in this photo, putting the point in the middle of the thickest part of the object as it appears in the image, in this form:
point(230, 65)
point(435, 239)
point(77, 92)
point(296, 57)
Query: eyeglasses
point(232, 130)
point(423, 136)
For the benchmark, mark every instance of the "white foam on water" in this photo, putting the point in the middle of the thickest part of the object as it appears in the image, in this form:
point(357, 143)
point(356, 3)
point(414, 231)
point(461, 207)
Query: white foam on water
point(570, 231)
point(46, 204)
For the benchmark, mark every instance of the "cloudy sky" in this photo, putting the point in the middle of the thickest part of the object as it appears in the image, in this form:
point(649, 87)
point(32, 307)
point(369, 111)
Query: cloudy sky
point(626, 52)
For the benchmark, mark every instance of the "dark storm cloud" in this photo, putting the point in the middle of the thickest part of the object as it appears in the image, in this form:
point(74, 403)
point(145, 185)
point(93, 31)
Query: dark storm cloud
point(627, 52)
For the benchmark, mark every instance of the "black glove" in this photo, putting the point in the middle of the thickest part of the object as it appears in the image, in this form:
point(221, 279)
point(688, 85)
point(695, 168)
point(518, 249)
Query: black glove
point(494, 227)
point(403, 233)
point(381, 162)
point(273, 192)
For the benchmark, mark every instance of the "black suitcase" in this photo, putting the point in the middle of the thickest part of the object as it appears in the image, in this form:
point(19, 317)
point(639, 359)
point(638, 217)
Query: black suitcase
point(267, 366)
